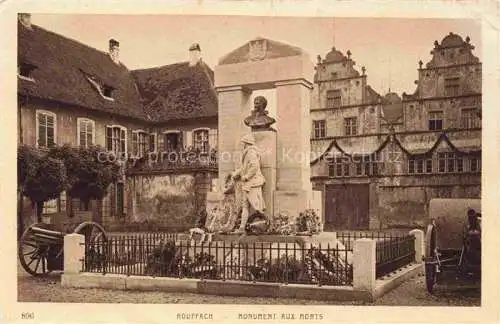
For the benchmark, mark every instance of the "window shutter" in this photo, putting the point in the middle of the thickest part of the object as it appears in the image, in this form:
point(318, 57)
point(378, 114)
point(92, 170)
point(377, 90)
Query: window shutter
point(109, 138)
point(187, 138)
point(123, 138)
point(50, 131)
point(112, 200)
point(161, 145)
point(135, 150)
point(90, 133)
point(152, 142)
point(212, 138)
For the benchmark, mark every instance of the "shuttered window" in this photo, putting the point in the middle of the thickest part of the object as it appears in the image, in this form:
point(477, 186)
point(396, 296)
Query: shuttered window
point(152, 142)
point(187, 139)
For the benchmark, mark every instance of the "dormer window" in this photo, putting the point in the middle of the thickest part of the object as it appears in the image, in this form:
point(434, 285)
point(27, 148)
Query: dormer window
point(104, 90)
point(24, 71)
point(107, 91)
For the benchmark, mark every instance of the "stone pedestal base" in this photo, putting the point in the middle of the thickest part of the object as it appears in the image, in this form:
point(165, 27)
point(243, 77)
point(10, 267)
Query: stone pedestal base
point(213, 199)
point(316, 204)
point(291, 202)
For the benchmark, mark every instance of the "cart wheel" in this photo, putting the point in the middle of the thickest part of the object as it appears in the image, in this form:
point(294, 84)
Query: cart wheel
point(430, 241)
point(92, 231)
point(430, 277)
point(33, 255)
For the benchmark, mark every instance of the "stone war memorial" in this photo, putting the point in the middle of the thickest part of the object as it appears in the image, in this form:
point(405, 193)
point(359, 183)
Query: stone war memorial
point(261, 232)
point(283, 156)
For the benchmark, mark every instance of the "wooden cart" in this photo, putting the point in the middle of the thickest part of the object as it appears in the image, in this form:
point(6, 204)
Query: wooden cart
point(41, 247)
point(453, 242)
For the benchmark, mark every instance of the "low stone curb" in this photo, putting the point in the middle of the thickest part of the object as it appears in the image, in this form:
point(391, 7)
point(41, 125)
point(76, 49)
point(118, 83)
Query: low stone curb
point(238, 288)
point(385, 285)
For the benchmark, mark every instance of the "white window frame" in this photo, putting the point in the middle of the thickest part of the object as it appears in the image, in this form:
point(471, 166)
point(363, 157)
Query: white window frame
point(126, 137)
point(138, 132)
point(193, 137)
point(53, 115)
point(26, 78)
point(99, 89)
point(78, 129)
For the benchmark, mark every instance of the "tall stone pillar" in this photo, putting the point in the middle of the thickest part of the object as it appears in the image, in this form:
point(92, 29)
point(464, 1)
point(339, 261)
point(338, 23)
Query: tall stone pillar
point(233, 108)
point(293, 188)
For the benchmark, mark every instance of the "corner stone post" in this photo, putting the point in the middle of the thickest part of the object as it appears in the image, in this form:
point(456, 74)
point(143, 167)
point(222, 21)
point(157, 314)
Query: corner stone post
point(419, 244)
point(74, 252)
point(364, 265)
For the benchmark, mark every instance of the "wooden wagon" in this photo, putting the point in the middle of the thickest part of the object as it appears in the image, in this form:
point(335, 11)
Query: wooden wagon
point(41, 247)
point(453, 242)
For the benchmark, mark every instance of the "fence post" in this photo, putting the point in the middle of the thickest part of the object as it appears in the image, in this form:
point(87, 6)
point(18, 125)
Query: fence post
point(74, 253)
point(419, 244)
point(364, 265)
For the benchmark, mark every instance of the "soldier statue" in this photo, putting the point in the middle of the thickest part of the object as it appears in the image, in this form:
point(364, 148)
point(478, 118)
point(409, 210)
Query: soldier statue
point(252, 181)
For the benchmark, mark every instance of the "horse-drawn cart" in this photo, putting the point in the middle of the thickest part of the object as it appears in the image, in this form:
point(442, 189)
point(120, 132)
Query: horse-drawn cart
point(41, 247)
point(453, 242)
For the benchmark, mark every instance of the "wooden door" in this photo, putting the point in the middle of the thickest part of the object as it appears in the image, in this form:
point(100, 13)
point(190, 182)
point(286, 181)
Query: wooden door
point(347, 207)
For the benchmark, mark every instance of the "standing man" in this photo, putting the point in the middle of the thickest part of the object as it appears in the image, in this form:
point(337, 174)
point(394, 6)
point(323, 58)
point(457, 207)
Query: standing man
point(252, 181)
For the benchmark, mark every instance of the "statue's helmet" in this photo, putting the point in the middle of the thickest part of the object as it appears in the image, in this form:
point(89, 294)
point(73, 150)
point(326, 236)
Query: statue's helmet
point(248, 138)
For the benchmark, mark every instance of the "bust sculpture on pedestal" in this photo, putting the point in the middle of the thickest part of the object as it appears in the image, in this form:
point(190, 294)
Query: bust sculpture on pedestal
point(259, 118)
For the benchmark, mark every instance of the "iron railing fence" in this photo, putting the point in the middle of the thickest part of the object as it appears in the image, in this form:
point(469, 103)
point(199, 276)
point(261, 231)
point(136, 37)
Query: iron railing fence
point(394, 253)
point(347, 238)
point(148, 255)
point(149, 235)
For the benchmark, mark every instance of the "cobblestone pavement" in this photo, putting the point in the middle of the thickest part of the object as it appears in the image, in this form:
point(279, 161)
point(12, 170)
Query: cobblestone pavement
point(410, 293)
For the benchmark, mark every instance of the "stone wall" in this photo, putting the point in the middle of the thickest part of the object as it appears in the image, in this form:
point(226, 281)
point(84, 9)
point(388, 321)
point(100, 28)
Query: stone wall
point(167, 200)
point(171, 201)
point(407, 205)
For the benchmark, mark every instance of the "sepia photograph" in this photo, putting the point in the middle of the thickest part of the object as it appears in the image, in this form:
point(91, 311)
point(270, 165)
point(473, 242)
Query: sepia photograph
point(248, 161)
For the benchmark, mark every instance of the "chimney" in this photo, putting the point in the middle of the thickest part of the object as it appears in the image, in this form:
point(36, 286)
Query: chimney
point(194, 54)
point(114, 50)
point(25, 19)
